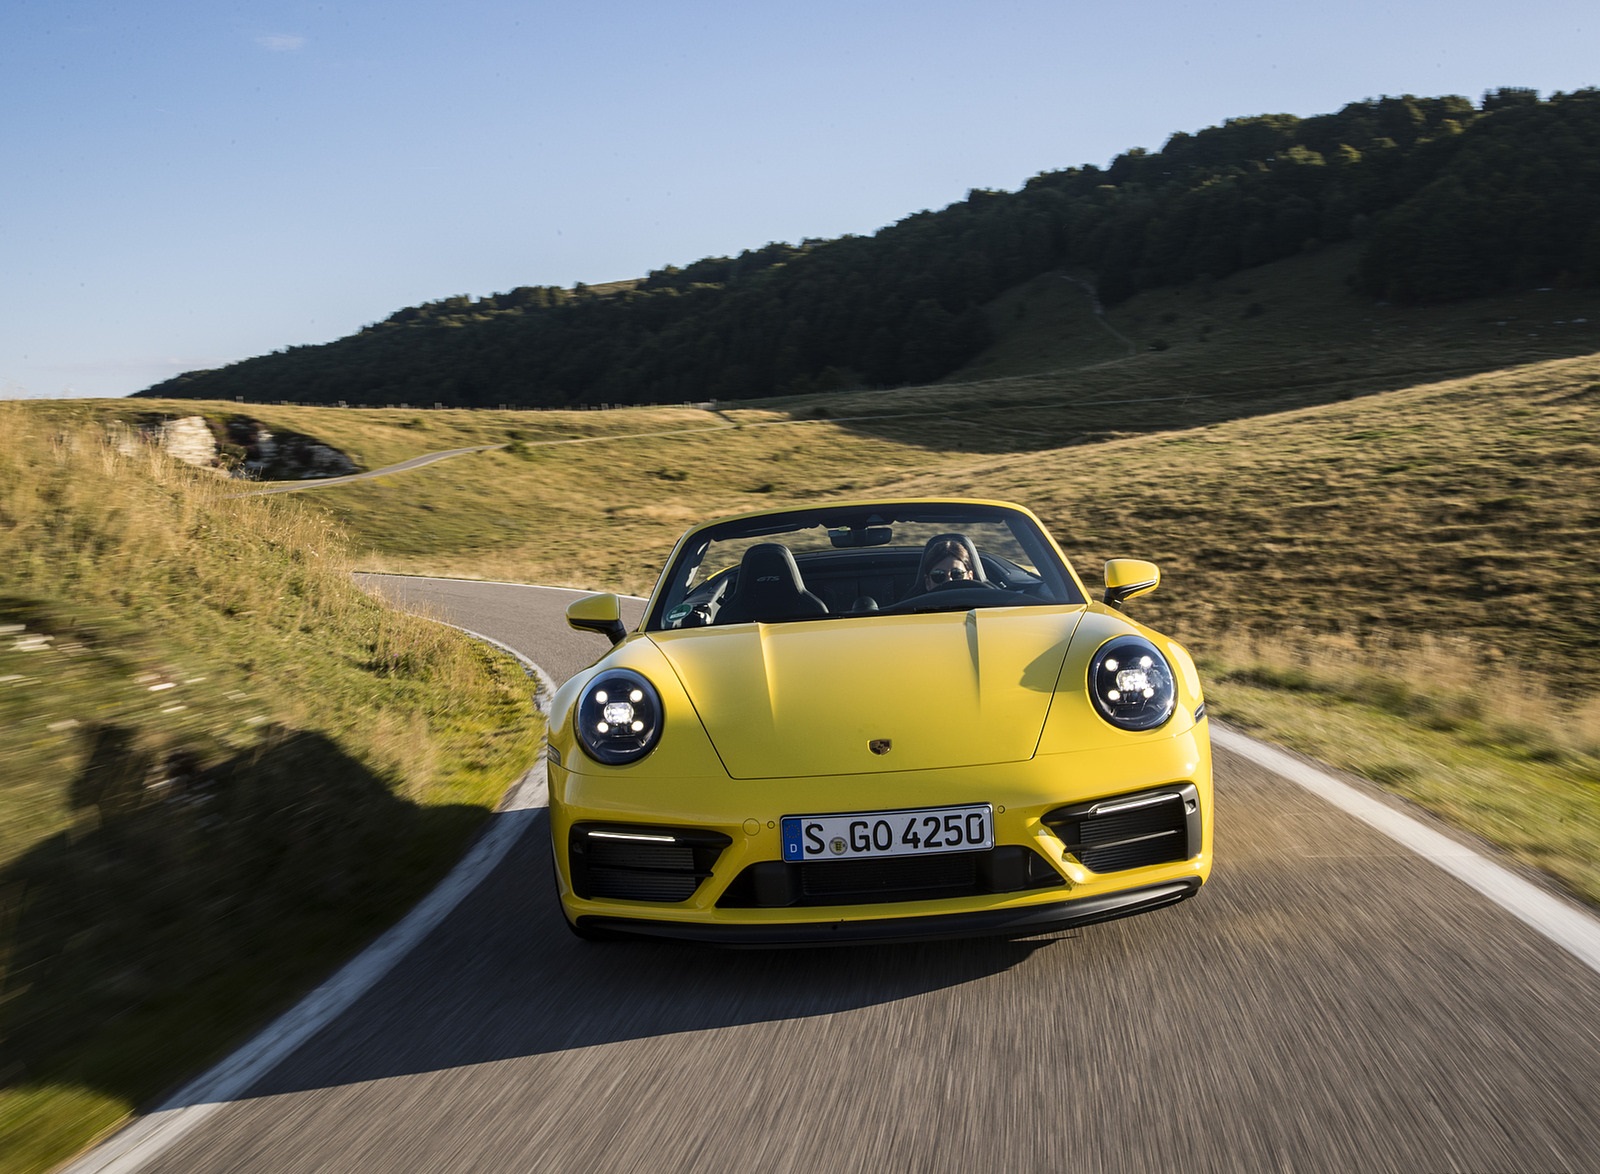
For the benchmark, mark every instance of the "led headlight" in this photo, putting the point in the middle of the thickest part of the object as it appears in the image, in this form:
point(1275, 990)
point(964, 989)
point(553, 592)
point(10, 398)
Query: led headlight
point(1132, 684)
point(619, 717)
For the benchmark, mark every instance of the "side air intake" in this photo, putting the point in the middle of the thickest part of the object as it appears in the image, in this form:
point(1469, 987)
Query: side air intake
point(641, 863)
point(1160, 826)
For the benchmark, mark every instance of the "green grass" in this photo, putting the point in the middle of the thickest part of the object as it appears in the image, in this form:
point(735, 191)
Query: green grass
point(224, 768)
point(376, 437)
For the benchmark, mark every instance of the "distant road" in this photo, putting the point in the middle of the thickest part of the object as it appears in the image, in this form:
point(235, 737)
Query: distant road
point(724, 426)
point(324, 482)
point(1329, 1002)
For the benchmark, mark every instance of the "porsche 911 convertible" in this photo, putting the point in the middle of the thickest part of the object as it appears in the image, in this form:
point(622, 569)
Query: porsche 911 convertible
point(874, 721)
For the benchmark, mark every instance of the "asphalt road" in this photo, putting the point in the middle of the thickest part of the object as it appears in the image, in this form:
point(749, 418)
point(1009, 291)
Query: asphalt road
point(1328, 1002)
point(403, 466)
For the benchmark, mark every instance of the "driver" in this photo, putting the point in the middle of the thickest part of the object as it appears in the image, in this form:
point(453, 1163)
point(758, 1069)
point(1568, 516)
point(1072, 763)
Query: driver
point(946, 562)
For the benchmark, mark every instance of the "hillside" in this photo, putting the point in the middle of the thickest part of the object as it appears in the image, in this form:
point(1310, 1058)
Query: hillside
point(1460, 507)
point(1465, 497)
point(222, 767)
point(1282, 336)
point(1439, 200)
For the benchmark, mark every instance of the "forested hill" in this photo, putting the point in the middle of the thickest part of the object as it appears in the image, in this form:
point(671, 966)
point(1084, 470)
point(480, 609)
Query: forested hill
point(1449, 199)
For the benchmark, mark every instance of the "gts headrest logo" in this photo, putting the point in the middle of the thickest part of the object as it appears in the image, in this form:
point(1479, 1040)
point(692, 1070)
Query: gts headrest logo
point(769, 579)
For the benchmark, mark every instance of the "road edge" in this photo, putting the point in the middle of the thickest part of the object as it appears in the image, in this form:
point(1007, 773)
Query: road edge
point(1570, 926)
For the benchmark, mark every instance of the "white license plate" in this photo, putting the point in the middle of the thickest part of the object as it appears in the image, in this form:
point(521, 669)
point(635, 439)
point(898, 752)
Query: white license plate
point(923, 831)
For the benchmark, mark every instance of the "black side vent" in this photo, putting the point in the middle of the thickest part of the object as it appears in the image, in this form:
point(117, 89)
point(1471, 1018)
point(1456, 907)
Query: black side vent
point(1131, 831)
point(774, 884)
point(641, 863)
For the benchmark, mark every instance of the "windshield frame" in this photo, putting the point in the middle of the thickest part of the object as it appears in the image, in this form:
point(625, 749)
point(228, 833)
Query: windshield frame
point(1051, 565)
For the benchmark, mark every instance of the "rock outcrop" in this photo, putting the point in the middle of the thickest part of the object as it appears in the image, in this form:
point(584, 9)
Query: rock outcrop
point(244, 447)
point(284, 456)
point(189, 439)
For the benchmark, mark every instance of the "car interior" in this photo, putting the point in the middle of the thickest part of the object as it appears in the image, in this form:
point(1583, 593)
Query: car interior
point(897, 558)
point(772, 584)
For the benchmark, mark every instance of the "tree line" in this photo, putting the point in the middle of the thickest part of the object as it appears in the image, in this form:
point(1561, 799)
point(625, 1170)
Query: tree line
point(1449, 200)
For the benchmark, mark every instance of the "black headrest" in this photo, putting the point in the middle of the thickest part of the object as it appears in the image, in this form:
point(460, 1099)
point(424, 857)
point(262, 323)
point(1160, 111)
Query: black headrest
point(769, 567)
point(769, 588)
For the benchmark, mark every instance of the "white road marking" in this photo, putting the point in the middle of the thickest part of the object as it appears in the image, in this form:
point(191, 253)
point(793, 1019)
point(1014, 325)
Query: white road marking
point(1567, 925)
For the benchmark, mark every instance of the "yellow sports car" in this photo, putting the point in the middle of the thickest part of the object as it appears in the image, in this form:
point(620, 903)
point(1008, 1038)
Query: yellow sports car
point(871, 721)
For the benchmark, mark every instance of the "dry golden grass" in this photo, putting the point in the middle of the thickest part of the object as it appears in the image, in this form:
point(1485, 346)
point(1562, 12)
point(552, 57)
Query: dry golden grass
point(1464, 508)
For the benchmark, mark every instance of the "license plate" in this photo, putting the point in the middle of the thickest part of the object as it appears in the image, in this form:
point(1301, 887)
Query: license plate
point(923, 831)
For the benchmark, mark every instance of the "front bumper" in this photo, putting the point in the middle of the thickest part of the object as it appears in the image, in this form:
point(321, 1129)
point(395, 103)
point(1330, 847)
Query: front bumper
point(728, 852)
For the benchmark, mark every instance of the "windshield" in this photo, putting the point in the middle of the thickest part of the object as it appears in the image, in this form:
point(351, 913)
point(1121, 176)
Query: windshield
point(826, 563)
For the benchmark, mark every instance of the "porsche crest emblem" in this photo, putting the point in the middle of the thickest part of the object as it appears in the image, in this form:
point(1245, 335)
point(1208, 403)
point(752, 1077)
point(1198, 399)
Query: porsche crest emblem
point(880, 745)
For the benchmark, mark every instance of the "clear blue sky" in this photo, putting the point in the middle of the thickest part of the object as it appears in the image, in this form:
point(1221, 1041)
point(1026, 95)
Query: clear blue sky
point(186, 184)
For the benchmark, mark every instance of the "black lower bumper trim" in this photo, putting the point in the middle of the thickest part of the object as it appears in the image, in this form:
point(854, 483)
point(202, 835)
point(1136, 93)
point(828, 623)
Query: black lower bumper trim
point(1034, 919)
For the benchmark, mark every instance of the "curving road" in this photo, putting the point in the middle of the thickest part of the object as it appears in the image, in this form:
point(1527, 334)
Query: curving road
point(1329, 1002)
point(402, 467)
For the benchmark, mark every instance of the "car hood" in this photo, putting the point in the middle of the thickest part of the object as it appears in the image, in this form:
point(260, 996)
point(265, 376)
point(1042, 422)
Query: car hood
point(945, 690)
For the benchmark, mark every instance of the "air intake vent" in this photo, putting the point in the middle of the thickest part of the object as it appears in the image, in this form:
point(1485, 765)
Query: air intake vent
point(774, 884)
point(1131, 831)
point(896, 879)
point(641, 863)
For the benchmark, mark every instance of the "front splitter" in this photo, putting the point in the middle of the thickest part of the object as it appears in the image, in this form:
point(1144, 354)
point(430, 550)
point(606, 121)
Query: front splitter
point(1025, 922)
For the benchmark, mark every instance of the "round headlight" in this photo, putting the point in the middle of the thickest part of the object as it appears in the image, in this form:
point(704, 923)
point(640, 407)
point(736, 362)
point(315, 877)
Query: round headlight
point(619, 717)
point(1132, 684)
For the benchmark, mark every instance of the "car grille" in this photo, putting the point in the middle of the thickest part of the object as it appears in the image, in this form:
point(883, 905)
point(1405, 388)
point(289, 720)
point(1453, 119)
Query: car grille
point(641, 863)
point(774, 884)
point(1131, 831)
point(886, 880)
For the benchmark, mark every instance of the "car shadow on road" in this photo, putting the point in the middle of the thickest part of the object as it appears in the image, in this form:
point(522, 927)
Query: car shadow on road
point(503, 978)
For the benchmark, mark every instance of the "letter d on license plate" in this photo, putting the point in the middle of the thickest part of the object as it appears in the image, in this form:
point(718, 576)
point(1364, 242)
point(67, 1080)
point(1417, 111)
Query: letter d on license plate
point(923, 831)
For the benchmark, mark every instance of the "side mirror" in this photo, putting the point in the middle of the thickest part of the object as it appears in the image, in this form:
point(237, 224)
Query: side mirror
point(1128, 577)
point(598, 613)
